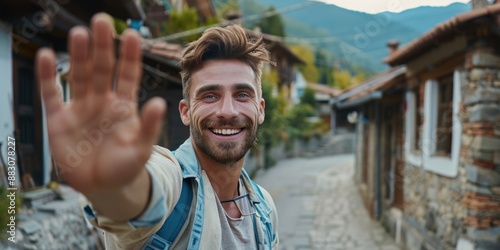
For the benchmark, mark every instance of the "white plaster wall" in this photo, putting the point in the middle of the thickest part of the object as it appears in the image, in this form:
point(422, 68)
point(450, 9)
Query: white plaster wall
point(6, 92)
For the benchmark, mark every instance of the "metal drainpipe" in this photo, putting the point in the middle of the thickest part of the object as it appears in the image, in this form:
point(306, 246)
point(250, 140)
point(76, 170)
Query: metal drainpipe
point(378, 163)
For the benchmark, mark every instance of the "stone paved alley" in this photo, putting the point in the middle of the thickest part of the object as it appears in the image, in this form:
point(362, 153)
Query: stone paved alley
point(319, 206)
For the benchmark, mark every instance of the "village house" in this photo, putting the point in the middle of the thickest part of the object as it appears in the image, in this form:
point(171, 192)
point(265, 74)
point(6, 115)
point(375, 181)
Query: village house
point(324, 95)
point(285, 61)
point(29, 27)
point(433, 179)
point(376, 108)
point(25, 27)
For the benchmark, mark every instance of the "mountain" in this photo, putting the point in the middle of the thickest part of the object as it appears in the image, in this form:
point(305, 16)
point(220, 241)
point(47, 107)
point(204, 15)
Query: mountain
point(354, 37)
point(433, 15)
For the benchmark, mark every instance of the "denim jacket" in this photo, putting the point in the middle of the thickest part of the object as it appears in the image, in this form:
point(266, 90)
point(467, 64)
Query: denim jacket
point(266, 235)
point(204, 232)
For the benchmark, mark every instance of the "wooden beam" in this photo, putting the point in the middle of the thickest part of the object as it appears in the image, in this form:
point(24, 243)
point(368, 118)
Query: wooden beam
point(441, 53)
point(445, 68)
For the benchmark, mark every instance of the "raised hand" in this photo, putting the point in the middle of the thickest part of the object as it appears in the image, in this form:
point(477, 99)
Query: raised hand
point(98, 140)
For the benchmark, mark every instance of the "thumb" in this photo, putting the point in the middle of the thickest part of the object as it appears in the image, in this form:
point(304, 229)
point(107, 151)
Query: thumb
point(151, 120)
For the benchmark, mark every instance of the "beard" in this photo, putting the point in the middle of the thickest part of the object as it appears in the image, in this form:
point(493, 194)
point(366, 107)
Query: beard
point(224, 152)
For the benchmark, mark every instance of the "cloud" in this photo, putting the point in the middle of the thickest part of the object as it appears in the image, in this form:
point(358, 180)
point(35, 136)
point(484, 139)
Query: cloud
point(377, 6)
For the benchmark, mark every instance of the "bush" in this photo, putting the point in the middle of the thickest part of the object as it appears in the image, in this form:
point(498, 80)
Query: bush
point(4, 211)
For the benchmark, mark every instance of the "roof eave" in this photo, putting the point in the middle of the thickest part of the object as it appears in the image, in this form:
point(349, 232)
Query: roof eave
point(441, 31)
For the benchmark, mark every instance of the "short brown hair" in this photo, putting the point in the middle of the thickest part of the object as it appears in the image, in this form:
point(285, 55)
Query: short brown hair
point(231, 42)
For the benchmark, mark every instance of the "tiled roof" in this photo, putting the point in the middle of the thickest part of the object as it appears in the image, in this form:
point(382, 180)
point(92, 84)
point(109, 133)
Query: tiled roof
point(378, 82)
point(167, 50)
point(322, 88)
point(439, 33)
point(277, 42)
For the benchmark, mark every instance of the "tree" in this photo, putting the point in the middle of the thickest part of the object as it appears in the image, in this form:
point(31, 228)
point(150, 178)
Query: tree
point(359, 77)
point(309, 69)
point(309, 97)
point(341, 78)
point(323, 64)
point(187, 19)
point(226, 7)
point(298, 123)
point(181, 21)
point(272, 129)
point(273, 24)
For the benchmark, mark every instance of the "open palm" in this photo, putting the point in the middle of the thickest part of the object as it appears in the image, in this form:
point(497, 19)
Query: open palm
point(98, 140)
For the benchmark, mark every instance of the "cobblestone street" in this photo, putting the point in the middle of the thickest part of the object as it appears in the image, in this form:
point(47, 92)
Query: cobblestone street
point(319, 206)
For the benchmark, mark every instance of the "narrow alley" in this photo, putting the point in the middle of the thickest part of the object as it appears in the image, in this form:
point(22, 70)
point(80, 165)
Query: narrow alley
point(319, 206)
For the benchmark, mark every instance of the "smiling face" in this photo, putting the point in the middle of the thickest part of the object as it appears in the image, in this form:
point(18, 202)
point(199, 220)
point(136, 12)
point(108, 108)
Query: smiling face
point(224, 110)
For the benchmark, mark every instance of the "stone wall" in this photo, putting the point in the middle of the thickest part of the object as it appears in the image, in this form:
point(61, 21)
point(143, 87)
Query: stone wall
point(329, 144)
point(56, 225)
point(433, 213)
point(481, 149)
point(462, 212)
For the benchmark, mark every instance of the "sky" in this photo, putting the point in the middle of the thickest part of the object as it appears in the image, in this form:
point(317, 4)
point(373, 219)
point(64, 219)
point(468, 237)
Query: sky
point(377, 6)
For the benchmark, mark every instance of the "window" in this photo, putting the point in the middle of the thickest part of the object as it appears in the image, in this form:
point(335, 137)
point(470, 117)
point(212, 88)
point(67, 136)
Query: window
point(26, 80)
point(419, 114)
point(445, 116)
point(26, 129)
point(442, 128)
point(412, 156)
point(25, 114)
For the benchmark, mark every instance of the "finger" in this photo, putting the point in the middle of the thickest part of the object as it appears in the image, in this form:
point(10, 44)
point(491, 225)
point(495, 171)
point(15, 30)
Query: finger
point(130, 65)
point(79, 72)
point(46, 73)
point(151, 121)
point(103, 54)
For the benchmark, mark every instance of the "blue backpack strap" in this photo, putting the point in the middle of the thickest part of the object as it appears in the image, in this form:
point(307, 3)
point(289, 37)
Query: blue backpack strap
point(169, 231)
point(171, 228)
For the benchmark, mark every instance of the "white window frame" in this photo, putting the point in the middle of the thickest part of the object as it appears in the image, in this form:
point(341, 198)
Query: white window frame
point(410, 130)
point(446, 166)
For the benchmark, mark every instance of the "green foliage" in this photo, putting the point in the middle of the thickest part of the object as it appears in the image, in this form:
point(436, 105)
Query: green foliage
point(341, 78)
point(211, 21)
point(324, 65)
point(359, 77)
point(299, 126)
point(309, 97)
point(4, 210)
point(271, 130)
point(225, 7)
point(185, 20)
point(309, 69)
point(120, 25)
point(283, 124)
point(273, 24)
point(182, 21)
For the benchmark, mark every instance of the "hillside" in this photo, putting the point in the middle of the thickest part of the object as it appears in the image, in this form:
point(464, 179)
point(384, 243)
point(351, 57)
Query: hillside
point(354, 37)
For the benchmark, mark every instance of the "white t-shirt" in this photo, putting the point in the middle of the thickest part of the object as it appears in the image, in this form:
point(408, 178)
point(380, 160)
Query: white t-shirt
point(237, 233)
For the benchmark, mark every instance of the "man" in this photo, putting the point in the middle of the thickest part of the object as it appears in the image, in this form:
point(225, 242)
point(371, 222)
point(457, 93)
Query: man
point(105, 149)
